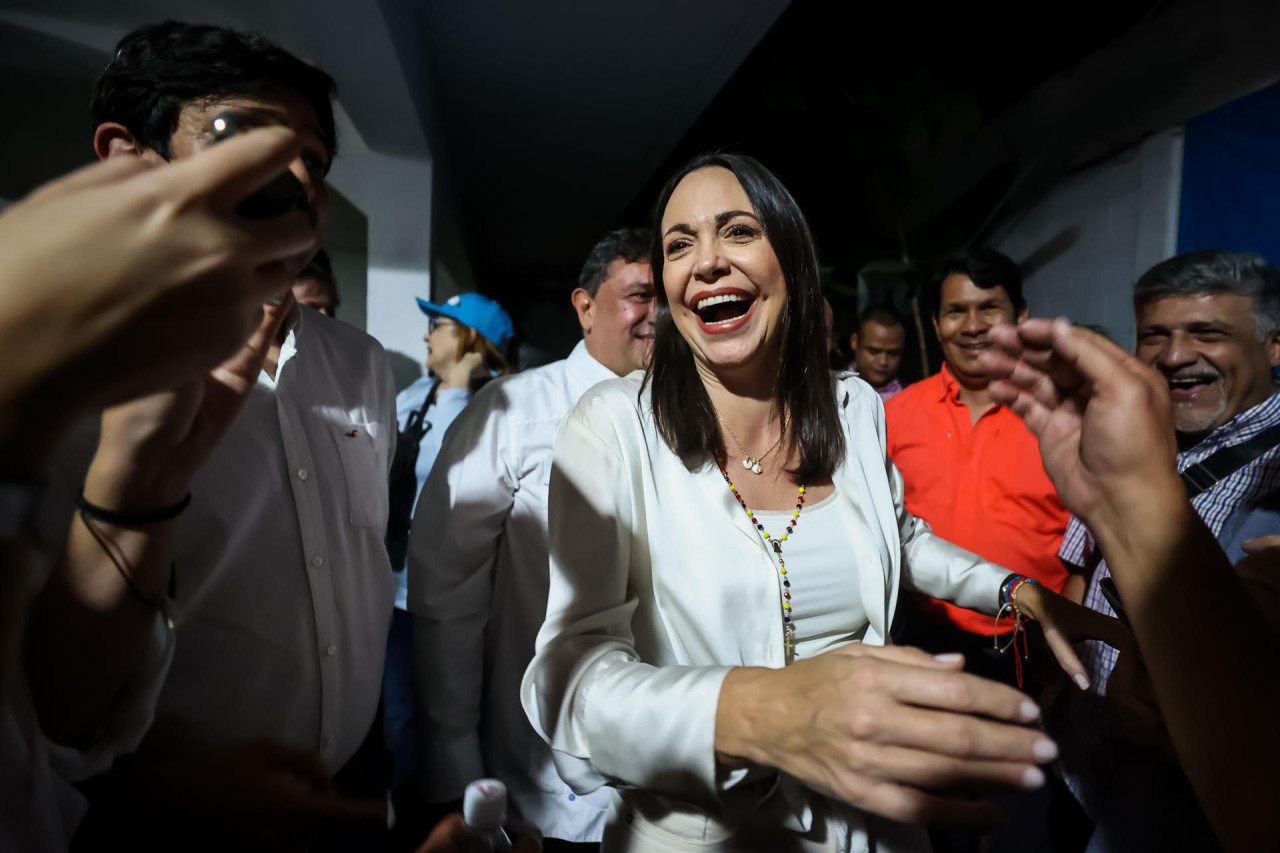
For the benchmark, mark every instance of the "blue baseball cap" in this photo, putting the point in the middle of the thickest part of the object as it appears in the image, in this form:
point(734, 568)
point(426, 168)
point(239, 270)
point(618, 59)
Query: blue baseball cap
point(479, 312)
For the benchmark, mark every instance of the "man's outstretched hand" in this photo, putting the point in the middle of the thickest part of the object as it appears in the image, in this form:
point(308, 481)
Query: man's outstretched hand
point(1104, 419)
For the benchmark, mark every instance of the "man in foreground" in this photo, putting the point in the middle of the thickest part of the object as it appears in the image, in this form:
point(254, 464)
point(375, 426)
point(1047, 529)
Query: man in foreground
point(244, 624)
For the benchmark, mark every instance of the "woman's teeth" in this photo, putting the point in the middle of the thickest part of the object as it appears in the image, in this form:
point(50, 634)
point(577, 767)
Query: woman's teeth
point(703, 304)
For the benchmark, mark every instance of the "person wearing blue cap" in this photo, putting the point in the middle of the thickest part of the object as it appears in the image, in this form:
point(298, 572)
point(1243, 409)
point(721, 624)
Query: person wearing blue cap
point(478, 557)
point(465, 339)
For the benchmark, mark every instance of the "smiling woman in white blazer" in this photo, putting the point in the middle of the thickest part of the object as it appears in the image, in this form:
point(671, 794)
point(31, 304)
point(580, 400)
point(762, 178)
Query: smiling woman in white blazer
point(672, 665)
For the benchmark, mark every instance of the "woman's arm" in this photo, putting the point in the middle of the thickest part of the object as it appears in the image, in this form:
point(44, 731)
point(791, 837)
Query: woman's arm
point(610, 718)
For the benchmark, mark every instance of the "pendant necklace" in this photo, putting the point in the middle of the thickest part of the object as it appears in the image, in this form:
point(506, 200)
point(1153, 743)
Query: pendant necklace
point(788, 628)
point(752, 463)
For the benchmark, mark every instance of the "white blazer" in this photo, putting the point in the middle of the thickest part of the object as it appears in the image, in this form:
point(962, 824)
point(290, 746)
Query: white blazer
point(660, 585)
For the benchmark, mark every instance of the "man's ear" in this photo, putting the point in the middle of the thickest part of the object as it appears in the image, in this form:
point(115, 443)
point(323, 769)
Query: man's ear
point(112, 139)
point(936, 333)
point(583, 304)
point(1022, 315)
point(1273, 347)
point(853, 342)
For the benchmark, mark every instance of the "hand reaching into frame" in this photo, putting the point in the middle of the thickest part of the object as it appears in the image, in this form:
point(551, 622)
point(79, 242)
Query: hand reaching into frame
point(151, 447)
point(1104, 419)
point(125, 278)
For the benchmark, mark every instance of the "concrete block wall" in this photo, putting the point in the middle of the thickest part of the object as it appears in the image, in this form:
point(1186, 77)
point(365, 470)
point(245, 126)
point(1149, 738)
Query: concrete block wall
point(1084, 244)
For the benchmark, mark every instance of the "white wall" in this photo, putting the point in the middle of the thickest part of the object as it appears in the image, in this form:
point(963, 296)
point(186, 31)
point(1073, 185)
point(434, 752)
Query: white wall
point(1084, 244)
point(394, 193)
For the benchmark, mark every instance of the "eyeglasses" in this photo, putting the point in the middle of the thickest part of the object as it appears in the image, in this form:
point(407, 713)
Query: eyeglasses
point(439, 323)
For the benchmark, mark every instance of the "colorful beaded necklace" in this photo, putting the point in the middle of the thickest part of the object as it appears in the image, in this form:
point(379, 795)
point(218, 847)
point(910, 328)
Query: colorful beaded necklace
point(788, 629)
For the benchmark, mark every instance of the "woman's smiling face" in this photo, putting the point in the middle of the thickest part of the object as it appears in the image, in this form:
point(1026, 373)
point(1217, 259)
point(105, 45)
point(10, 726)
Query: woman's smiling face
point(723, 282)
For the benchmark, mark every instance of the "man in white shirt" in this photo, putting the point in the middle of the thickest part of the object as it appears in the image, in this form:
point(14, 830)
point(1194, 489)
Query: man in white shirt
point(268, 679)
point(478, 556)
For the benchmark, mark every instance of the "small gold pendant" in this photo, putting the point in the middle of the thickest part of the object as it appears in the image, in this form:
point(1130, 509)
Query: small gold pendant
point(752, 464)
point(757, 469)
point(747, 462)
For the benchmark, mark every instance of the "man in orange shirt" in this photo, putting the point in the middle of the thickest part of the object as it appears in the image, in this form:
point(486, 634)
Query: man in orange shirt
point(972, 470)
point(971, 467)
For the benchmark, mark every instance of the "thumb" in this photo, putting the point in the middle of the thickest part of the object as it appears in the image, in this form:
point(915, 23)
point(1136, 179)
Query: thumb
point(1260, 544)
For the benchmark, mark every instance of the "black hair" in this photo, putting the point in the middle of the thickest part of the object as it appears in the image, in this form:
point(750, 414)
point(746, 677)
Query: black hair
point(1216, 271)
point(320, 269)
point(158, 69)
point(629, 244)
point(882, 314)
point(683, 411)
point(986, 268)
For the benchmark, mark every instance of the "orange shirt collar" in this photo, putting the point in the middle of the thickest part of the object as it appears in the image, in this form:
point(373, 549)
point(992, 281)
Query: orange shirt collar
point(951, 388)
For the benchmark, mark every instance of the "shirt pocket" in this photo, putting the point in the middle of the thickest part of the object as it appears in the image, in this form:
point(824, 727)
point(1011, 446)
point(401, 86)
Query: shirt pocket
point(363, 450)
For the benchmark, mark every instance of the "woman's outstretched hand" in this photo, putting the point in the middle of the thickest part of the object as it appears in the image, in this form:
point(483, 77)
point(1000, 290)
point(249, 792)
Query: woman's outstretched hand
point(890, 730)
point(1064, 622)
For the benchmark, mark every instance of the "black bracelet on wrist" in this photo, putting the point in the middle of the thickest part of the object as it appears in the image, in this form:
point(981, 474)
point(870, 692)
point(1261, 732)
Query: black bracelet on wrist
point(1002, 597)
point(165, 603)
point(131, 519)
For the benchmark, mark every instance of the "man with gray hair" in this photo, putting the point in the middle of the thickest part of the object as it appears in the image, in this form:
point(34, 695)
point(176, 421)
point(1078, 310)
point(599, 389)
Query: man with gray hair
point(1209, 322)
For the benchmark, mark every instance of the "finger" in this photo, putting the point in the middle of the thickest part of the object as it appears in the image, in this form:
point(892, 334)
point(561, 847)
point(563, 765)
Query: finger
point(1260, 544)
point(1033, 413)
point(906, 655)
point(1035, 382)
point(448, 836)
point(1089, 624)
point(998, 363)
point(962, 693)
point(1092, 357)
point(935, 772)
point(227, 173)
point(103, 173)
point(278, 240)
point(911, 805)
point(1066, 656)
point(248, 361)
point(960, 736)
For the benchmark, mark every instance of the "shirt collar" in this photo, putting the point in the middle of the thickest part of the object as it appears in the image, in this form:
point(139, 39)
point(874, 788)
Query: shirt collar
point(1242, 427)
point(585, 370)
point(950, 387)
point(288, 349)
point(890, 387)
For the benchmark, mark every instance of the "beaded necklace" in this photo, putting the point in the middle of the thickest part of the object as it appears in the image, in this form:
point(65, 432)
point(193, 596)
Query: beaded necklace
point(788, 629)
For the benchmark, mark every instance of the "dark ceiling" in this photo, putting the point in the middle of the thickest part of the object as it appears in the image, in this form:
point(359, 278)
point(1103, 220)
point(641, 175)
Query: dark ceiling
point(885, 121)
point(553, 114)
point(864, 110)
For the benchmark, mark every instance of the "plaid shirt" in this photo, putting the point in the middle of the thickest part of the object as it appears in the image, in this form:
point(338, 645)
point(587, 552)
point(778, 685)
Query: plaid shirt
point(1089, 739)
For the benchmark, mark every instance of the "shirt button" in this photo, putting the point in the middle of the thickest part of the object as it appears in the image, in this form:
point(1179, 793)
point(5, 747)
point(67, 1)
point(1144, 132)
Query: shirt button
point(302, 473)
point(573, 797)
point(332, 650)
point(317, 561)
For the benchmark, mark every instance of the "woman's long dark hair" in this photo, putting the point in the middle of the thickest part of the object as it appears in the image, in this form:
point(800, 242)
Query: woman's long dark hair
point(685, 417)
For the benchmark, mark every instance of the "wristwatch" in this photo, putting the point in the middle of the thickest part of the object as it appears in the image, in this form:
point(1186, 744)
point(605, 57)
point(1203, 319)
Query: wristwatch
point(18, 501)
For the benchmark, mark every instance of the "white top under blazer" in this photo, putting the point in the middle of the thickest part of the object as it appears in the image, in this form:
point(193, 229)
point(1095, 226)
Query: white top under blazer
point(660, 585)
